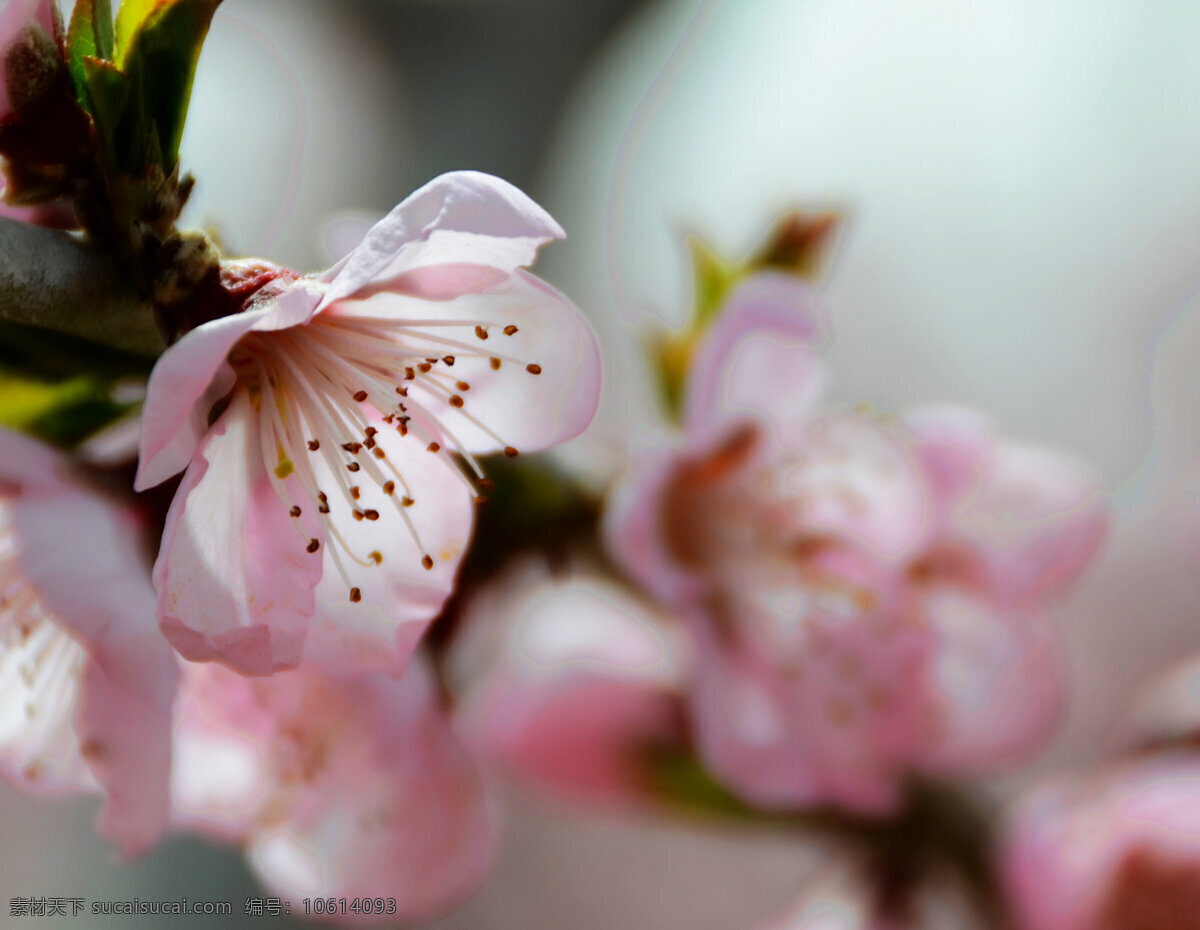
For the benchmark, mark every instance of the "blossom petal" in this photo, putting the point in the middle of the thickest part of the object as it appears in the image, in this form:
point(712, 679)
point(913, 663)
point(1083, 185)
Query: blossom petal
point(234, 580)
point(125, 738)
point(339, 787)
point(999, 684)
point(193, 374)
point(762, 356)
point(838, 720)
point(399, 596)
point(577, 680)
point(459, 217)
point(528, 390)
point(1037, 522)
point(26, 464)
point(633, 530)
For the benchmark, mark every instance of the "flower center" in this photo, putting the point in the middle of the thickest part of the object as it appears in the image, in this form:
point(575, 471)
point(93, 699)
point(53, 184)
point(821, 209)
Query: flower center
point(326, 392)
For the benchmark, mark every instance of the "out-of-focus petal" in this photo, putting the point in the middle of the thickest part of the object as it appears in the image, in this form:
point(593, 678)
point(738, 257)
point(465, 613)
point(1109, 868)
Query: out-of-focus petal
point(577, 682)
point(459, 217)
point(762, 356)
point(338, 787)
point(125, 738)
point(1037, 522)
point(999, 683)
point(837, 720)
point(1118, 849)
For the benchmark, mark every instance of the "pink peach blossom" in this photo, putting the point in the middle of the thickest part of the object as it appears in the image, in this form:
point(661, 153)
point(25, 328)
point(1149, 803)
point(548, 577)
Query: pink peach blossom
point(566, 683)
point(1116, 850)
point(86, 680)
point(337, 787)
point(865, 594)
point(323, 513)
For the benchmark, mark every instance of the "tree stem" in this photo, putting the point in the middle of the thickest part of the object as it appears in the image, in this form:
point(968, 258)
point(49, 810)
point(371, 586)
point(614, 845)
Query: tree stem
point(51, 279)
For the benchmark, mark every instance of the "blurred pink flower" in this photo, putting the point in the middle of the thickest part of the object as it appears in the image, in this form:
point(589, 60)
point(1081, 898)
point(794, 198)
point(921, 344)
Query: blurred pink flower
point(17, 18)
point(86, 679)
point(337, 787)
point(865, 596)
point(1119, 850)
point(323, 514)
point(568, 683)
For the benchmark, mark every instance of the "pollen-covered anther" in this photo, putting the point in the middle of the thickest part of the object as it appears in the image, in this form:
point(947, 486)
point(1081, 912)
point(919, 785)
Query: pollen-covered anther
point(360, 396)
point(355, 492)
point(407, 501)
point(410, 374)
point(355, 595)
point(480, 500)
point(358, 515)
point(376, 557)
point(511, 451)
point(448, 360)
point(353, 466)
point(352, 447)
point(380, 454)
point(371, 514)
point(533, 369)
point(433, 447)
point(462, 385)
point(389, 487)
point(455, 400)
point(495, 363)
point(313, 545)
point(486, 484)
point(401, 390)
point(424, 367)
point(314, 445)
point(427, 561)
point(481, 332)
point(295, 511)
point(510, 330)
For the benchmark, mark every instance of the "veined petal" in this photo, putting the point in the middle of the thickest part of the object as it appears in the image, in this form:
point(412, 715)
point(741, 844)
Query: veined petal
point(515, 366)
point(397, 544)
point(234, 579)
point(193, 374)
point(459, 217)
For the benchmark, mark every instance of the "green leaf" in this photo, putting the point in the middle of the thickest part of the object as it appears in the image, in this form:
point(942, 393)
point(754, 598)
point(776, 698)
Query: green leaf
point(160, 58)
point(130, 18)
point(89, 36)
point(107, 91)
point(64, 412)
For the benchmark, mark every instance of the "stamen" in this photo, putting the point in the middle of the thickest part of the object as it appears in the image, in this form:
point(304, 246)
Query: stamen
point(510, 330)
point(355, 595)
point(427, 561)
point(534, 369)
point(313, 545)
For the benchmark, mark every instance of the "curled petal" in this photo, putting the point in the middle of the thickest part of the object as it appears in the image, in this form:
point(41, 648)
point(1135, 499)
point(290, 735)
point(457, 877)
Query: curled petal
point(193, 374)
point(459, 217)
